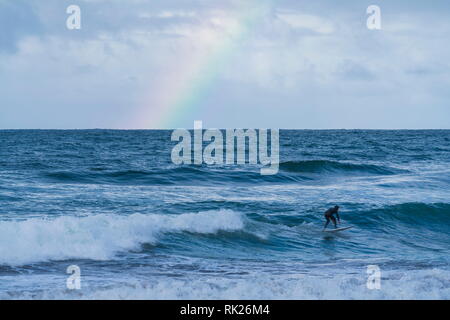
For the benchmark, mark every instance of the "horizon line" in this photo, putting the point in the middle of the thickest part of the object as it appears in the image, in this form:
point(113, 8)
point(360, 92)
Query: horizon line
point(226, 128)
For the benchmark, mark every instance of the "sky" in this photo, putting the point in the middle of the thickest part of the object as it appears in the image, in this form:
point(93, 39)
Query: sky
point(162, 64)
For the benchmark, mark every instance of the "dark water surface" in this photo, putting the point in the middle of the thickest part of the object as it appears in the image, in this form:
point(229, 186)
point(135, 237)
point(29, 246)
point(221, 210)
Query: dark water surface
point(138, 226)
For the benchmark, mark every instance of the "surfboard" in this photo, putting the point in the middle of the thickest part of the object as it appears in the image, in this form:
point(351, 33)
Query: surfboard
point(338, 229)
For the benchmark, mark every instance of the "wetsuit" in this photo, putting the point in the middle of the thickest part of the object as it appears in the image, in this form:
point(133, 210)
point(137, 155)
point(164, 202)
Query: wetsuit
point(329, 216)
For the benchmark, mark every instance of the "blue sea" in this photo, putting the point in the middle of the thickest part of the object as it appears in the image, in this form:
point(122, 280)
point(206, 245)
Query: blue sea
point(137, 226)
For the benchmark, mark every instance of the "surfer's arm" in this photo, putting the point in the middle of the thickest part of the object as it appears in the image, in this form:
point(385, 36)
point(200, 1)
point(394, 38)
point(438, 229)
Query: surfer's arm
point(338, 218)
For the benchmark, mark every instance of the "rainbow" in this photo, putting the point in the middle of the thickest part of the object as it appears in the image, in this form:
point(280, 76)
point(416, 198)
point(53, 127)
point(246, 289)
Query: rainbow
point(178, 94)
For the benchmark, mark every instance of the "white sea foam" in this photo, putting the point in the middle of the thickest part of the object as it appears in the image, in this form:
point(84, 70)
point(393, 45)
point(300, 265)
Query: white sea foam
point(101, 236)
point(410, 284)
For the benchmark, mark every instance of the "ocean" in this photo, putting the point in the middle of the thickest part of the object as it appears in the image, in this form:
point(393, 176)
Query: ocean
point(113, 205)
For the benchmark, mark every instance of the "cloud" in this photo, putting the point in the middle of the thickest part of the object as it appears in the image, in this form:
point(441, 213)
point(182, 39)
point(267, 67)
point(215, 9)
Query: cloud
point(17, 20)
point(354, 71)
point(306, 21)
point(168, 14)
point(286, 64)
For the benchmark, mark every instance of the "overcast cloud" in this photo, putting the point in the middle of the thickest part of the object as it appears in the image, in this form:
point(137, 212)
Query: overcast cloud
point(296, 64)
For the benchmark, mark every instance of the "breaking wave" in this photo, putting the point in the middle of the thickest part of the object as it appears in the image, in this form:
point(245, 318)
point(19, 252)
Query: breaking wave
point(101, 236)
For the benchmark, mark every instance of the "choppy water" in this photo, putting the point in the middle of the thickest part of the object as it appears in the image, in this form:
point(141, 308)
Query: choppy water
point(138, 226)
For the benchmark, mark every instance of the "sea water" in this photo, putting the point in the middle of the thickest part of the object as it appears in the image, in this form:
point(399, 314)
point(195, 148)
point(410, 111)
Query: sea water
point(137, 226)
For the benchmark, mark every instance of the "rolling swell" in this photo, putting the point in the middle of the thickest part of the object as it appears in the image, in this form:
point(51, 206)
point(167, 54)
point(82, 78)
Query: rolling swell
point(410, 214)
point(335, 167)
point(419, 214)
point(289, 172)
point(187, 175)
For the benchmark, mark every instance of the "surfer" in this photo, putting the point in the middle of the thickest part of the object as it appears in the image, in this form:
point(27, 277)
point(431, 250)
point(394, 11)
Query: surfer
point(329, 216)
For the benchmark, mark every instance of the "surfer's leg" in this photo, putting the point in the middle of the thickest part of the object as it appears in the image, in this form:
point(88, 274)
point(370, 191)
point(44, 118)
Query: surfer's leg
point(334, 221)
point(326, 223)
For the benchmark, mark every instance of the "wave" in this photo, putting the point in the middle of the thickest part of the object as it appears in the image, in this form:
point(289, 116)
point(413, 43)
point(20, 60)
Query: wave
point(395, 285)
point(290, 172)
point(412, 213)
point(100, 237)
point(182, 175)
point(327, 166)
point(410, 216)
point(103, 236)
